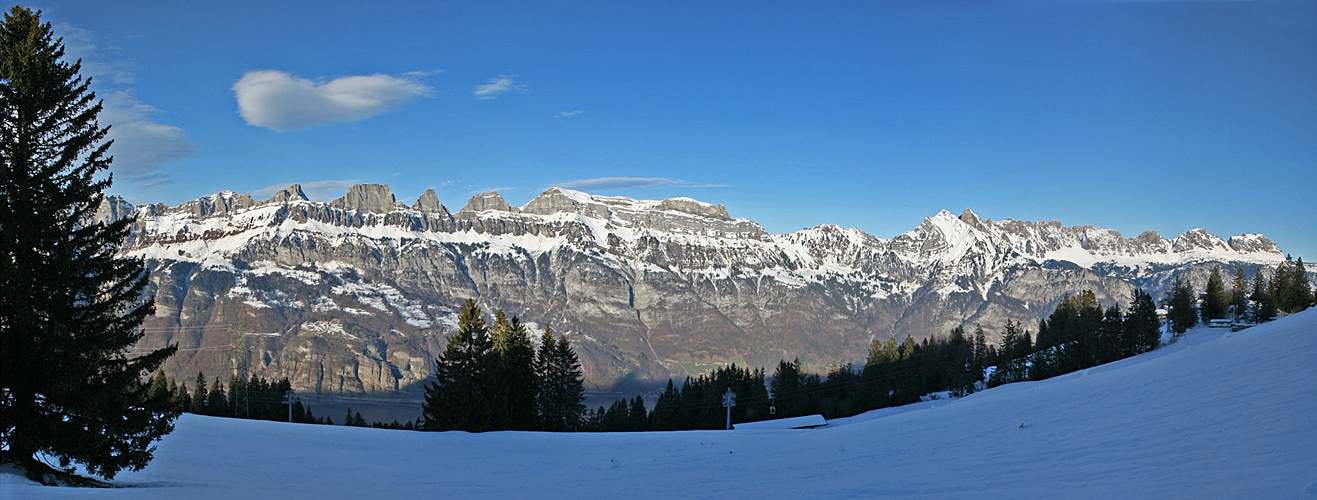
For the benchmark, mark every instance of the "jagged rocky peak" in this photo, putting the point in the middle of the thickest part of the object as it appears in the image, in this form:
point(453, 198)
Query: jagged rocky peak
point(694, 207)
point(554, 200)
point(1199, 239)
point(221, 203)
point(832, 234)
point(487, 201)
point(969, 217)
point(368, 198)
point(1148, 237)
point(944, 221)
point(113, 208)
point(429, 203)
point(943, 214)
point(291, 193)
point(1148, 242)
point(1253, 243)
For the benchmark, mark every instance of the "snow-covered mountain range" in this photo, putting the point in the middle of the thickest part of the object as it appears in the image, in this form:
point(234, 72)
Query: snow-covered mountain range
point(357, 294)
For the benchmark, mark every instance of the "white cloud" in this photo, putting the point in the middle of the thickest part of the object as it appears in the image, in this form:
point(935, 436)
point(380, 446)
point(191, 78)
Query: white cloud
point(323, 190)
point(569, 114)
point(631, 183)
point(497, 86)
point(282, 102)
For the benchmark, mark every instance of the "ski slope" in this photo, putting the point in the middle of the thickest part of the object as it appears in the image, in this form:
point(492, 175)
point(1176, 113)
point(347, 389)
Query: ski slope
point(1216, 415)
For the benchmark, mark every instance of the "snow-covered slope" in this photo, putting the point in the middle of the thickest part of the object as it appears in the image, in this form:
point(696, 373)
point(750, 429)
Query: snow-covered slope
point(356, 294)
point(1216, 415)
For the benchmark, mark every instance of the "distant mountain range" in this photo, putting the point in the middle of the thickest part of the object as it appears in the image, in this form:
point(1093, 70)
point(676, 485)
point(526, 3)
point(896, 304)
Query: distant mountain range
point(358, 294)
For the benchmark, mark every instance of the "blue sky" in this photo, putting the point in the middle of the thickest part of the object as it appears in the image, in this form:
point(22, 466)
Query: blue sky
point(1133, 115)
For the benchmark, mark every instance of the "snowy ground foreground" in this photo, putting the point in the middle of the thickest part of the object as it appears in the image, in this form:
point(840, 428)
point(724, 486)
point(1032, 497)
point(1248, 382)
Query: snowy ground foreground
point(1216, 415)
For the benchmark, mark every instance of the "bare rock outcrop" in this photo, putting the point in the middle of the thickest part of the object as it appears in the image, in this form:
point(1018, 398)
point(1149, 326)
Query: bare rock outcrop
point(487, 201)
point(368, 198)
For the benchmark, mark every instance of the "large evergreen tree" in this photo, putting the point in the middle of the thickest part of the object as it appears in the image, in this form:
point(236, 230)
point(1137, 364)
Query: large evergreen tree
point(459, 398)
point(1264, 307)
point(513, 381)
point(1142, 328)
point(199, 395)
point(1239, 296)
point(561, 384)
point(1015, 345)
point(1290, 289)
point(1216, 301)
point(788, 389)
point(666, 415)
point(1182, 314)
point(69, 308)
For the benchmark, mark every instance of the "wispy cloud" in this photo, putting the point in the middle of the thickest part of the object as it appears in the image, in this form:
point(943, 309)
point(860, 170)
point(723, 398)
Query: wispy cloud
point(497, 86)
point(282, 102)
point(632, 183)
point(422, 74)
point(499, 189)
point(569, 114)
point(323, 190)
point(142, 145)
point(98, 62)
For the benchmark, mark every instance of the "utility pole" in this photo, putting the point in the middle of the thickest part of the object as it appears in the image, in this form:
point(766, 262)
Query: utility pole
point(729, 400)
point(242, 357)
point(290, 397)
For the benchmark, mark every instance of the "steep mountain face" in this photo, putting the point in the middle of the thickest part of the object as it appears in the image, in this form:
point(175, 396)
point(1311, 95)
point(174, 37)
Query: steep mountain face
point(358, 294)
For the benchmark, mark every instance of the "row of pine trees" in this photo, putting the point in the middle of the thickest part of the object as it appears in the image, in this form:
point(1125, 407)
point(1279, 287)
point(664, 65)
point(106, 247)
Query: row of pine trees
point(1288, 291)
point(491, 377)
point(1079, 334)
point(264, 398)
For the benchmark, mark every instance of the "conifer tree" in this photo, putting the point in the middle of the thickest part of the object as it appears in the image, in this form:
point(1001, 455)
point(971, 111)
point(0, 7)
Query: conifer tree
point(1142, 328)
point(513, 380)
point(1182, 314)
point(664, 416)
point(616, 417)
point(1239, 296)
point(788, 389)
point(1015, 345)
point(981, 360)
point(159, 387)
point(561, 384)
point(498, 393)
point(200, 398)
point(1291, 291)
point(1112, 341)
point(70, 308)
point(544, 389)
point(458, 398)
point(217, 401)
point(1215, 301)
point(1264, 308)
point(183, 398)
point(638, 418)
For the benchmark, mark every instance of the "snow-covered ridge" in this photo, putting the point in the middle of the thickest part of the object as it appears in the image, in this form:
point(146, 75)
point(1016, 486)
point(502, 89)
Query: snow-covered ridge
point(217, 226)
point(663, 286)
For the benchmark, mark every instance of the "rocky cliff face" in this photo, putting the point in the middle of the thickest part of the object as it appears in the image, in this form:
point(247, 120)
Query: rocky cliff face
point(358, 295)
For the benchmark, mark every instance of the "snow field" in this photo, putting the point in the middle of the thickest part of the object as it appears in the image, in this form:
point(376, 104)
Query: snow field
point(1215, 415)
